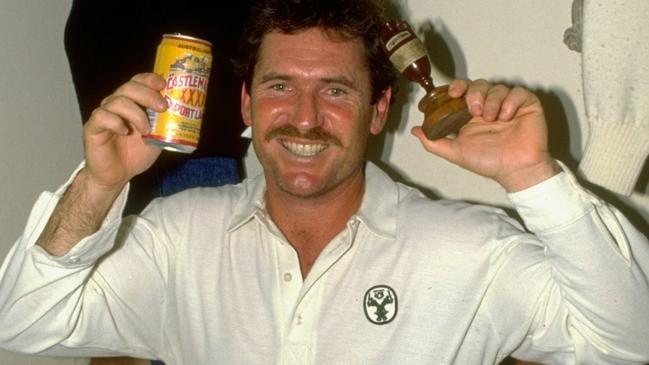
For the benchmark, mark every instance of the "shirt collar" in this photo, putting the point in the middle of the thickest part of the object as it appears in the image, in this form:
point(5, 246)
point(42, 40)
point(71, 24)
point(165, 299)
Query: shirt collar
point(250, 203)
point(378, 210)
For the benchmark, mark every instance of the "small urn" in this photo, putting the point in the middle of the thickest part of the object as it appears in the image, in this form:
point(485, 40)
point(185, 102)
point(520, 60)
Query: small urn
point(443, 115)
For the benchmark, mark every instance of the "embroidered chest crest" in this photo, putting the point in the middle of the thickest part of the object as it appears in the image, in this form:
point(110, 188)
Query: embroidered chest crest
point(380, 304)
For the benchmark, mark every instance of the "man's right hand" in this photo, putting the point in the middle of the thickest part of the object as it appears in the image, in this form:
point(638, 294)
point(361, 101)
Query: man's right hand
point(114, 149)
point(115, 152)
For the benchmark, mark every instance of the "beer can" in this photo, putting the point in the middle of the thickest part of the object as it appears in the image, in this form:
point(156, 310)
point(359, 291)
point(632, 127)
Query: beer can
point(185, 63)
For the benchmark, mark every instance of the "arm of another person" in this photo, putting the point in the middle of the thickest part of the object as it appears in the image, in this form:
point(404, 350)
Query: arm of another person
point(593, 264)
point(52, 291)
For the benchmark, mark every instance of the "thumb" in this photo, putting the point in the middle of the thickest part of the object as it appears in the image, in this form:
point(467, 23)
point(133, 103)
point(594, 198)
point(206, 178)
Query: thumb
point(442, 147)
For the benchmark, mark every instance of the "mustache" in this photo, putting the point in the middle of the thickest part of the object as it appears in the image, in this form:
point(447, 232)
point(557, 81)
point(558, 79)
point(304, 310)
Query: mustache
point(313, 134)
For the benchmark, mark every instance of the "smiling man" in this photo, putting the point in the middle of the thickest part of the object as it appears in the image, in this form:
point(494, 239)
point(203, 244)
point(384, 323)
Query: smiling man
point(324, 259)
point(310, 99)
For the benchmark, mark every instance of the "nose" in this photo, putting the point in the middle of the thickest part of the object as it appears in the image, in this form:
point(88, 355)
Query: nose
point(306, 112)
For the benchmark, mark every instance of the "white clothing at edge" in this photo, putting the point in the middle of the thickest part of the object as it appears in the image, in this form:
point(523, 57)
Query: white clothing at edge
point(205, 277)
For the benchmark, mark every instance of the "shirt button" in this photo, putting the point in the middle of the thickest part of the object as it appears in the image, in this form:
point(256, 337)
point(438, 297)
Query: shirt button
point(298, 319)
point(74, 259)
point(288, 277)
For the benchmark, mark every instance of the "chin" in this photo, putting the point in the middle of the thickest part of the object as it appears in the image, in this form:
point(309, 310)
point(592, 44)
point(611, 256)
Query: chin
point(303, 186)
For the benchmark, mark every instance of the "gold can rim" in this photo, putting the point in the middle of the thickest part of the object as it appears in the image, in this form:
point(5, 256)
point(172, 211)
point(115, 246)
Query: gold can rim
point(187, 38)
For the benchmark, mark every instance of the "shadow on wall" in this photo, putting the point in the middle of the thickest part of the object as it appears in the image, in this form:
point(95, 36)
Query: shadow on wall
point(449, 63)
point(565, 138)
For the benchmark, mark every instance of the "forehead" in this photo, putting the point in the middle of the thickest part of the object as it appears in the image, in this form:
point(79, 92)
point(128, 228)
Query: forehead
point(312, 49)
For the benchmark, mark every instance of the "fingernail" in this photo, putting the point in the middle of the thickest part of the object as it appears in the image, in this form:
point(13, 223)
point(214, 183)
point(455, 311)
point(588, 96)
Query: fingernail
point(476, 109)
point(505, 115)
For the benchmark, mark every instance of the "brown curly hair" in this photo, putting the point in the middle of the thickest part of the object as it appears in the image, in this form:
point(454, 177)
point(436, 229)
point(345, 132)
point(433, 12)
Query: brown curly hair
point(351, 19)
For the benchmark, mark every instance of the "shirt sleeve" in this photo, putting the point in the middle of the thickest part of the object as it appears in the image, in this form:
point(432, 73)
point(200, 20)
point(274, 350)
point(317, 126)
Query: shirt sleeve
point(590, 278)
point(49, 304)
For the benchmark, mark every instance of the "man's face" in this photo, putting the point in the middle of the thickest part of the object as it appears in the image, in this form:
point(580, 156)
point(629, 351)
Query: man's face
point(309, 107)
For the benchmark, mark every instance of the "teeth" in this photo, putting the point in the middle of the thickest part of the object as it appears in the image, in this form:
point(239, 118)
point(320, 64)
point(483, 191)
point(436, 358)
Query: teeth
point(305, 150)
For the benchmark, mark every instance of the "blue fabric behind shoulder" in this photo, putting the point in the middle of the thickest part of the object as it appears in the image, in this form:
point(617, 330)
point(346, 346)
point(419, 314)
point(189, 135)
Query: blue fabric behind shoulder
point(209, 171)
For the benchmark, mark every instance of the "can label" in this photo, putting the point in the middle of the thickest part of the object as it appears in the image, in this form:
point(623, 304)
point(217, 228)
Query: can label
point(185, 63)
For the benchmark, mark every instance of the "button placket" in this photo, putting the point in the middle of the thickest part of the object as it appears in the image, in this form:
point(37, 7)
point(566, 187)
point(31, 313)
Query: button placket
point(298, 319)
point(301, 317)
point(287, 277)
point(298, 344)
point(289, 287)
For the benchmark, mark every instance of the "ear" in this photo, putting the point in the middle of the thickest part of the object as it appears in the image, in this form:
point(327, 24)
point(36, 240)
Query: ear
point(245, 106)
point(380, 112)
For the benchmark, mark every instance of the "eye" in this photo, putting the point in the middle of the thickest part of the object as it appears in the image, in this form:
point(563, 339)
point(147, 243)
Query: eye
point(336, 91)
point(279, 87)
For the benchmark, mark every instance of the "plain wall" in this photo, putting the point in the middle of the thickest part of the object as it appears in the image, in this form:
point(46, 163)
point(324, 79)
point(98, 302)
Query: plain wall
point(518, 42)
point(39, 120)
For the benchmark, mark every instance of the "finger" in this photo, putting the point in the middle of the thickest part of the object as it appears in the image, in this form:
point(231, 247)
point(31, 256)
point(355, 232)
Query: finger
point(442, 147)
point(126, 103)
point(151, 80)
point(475, 96)
point(457, 88)
point(131, 114)
point(517, 98)
point(144, 89)
point(496, 95)
point(102, 121)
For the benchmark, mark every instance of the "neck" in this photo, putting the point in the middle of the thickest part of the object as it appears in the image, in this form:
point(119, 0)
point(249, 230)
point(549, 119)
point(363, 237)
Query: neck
point(310, 223)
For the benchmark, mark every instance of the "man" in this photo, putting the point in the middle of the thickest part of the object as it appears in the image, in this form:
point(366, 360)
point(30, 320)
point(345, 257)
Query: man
point(324, 259)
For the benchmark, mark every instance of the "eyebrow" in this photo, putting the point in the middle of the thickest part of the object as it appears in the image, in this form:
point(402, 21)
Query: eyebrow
point(274, 76)
point(342, 80)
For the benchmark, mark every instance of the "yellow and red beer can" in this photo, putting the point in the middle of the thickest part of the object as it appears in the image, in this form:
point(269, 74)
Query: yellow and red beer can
point(185, 63)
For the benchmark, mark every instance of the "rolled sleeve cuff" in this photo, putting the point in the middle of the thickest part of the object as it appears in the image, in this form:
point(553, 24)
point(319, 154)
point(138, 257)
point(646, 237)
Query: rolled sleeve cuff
point(553, 203)
point(90, 248)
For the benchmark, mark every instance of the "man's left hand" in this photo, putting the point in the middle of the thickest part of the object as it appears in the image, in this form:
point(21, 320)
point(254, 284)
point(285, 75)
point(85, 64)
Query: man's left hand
point(507, 139)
